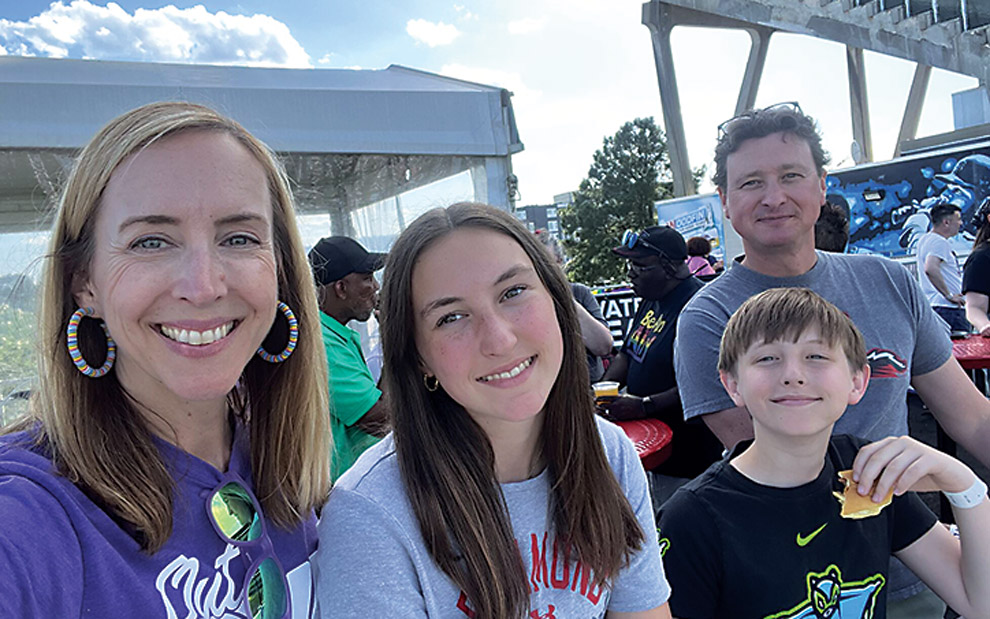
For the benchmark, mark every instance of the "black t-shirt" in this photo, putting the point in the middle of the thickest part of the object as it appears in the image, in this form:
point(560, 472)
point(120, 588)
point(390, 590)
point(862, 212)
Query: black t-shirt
point(737, 549)
point(976, 272)
point(650, 350)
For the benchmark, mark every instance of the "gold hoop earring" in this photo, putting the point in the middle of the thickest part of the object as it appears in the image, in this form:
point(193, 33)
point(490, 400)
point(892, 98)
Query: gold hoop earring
point(431, 386)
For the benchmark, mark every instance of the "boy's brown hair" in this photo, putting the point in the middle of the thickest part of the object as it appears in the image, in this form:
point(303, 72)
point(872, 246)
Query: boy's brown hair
point(786, 313)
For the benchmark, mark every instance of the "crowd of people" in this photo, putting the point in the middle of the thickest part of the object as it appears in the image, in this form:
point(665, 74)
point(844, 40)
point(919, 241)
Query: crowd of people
point(206, 439)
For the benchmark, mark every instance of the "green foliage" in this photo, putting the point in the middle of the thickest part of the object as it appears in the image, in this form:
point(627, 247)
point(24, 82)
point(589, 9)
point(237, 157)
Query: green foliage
point(628, 175)
point(17, 359)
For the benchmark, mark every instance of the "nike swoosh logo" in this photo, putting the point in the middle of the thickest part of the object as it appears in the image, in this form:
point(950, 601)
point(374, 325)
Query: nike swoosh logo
point(803, 540)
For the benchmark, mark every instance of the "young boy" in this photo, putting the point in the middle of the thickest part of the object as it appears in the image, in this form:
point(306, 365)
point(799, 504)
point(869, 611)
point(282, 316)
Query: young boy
point(760, 535)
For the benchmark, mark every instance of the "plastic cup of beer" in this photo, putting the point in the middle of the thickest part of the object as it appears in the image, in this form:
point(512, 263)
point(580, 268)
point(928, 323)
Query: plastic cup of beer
point(605, 390)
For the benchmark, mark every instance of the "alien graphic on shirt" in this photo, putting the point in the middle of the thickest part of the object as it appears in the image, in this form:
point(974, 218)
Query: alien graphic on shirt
point(830, 598)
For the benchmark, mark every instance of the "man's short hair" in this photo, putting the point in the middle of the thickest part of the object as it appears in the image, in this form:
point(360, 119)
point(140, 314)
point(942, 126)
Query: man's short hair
point(759, 123)
point(832, 228)
point(942, 211)
point(779, 314)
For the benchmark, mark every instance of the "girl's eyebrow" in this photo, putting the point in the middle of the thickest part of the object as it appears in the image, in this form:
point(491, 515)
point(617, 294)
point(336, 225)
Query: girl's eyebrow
point(511, 272)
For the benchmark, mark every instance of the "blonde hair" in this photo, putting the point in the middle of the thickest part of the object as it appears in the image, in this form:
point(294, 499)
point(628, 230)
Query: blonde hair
point(786, 313)
point(96, 437)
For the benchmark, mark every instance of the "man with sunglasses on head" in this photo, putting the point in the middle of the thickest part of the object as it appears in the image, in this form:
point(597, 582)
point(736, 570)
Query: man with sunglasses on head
point(770, 176)
point(661, 279)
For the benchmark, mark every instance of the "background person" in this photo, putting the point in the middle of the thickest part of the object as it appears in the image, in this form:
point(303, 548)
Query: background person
point(938, 267)
point(497, 456)
point(175, 411)
point(770, 175)
point(347, 290)
point(645, 364)
point(832, 228)
point(698, 249)
point(976, 274)
point(595, 333)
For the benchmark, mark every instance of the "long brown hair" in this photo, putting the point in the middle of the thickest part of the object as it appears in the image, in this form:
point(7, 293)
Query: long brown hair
point(96, 437)
point(446, 459)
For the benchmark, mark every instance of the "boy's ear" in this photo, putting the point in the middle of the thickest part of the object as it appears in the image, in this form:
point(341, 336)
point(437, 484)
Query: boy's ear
point(861, 380)
point(731, 387)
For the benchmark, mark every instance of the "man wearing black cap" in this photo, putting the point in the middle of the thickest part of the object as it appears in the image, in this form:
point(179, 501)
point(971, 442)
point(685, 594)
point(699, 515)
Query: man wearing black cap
point(661, 279)
point(347, 290)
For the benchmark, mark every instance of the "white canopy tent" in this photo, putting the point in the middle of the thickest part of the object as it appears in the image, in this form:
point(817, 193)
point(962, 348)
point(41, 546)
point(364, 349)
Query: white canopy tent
point(354, 142)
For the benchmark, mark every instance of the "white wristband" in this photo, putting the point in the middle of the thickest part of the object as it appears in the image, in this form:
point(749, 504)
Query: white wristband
point(970, 497)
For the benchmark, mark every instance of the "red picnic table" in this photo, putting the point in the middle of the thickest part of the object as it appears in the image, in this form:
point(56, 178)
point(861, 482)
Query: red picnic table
point(972, 352)
point(652, 439)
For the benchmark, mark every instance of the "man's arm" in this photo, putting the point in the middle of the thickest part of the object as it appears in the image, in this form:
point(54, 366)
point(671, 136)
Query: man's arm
point(933, 269)
point(976, 312)
point(961, 410)
point(376, 421)
point(596, 336)
point(730, 425)
point(618, 369)
point(654, 405)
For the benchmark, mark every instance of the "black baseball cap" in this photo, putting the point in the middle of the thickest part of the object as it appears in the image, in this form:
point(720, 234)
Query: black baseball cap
point(336, 257)
point(661, 241)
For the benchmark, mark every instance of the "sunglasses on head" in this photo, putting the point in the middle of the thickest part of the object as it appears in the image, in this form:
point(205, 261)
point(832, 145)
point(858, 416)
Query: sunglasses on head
point(237, 518)
point(630, 239)
point(726, 127)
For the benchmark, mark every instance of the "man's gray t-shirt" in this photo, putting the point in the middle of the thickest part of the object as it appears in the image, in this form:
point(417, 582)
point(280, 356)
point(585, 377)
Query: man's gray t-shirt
point(904, 337)
point(372, 561)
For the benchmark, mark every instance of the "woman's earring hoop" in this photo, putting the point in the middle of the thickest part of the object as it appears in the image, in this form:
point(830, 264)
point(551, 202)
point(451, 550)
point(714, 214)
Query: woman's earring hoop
point(72, 341)
point(293, 338)
point(431, 382)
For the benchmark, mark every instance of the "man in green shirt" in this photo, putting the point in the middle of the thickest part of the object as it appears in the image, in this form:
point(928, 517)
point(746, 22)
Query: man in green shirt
point(347, 290)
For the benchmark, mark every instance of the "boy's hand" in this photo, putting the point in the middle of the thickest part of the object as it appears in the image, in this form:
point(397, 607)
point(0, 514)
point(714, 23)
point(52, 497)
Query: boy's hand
point(904, 464)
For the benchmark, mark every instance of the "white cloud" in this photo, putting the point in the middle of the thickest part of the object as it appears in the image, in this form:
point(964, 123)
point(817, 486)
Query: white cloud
point(433, 34)
point(326, 59)
point(464, 13)
point(169, 34)
point(527, 25)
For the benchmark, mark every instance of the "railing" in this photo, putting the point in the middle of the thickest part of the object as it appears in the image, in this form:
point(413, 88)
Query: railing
point(974, 13)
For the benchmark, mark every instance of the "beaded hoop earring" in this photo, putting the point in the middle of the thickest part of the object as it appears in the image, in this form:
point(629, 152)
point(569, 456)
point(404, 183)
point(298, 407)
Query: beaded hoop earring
point(72, 340)
point(293, 338)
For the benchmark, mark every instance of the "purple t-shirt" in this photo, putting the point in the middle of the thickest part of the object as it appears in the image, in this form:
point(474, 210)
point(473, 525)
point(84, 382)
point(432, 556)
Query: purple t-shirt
point(63, 556)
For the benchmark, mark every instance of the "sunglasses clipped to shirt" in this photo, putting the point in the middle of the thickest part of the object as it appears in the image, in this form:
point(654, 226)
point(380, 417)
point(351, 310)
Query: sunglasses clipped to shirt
point(237, 518)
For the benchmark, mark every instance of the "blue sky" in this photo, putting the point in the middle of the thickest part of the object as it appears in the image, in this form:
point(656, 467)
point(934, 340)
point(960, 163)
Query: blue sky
point(578, 68)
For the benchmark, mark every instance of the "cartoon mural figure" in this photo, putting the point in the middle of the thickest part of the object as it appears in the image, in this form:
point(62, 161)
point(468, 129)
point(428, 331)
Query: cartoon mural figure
point(830, 598)
point(966, 186)
point(889, 203)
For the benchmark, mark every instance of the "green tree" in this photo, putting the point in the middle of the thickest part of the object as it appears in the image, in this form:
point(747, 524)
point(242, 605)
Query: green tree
point(628, 174)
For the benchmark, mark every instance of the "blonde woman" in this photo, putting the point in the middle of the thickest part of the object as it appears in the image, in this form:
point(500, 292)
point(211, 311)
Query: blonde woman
point(177, 445)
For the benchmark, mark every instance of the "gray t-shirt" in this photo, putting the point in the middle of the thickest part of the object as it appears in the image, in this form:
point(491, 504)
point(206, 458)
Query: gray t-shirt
point(904, 337)
point(372, 561)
